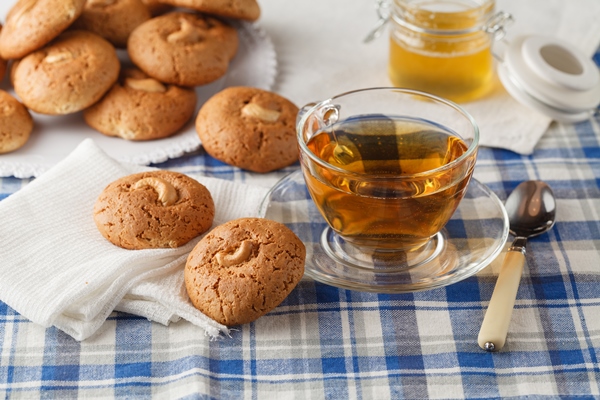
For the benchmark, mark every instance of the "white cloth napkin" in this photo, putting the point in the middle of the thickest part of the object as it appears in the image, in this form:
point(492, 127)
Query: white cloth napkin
point(57, 269)
point(321, 53)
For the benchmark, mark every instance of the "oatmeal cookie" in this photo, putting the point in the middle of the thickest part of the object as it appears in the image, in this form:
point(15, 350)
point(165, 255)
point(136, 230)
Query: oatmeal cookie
point(243, 269)
point(141, 108)
point(71, 73)
point(249, 128)
point(157, 209)
point(183, 49)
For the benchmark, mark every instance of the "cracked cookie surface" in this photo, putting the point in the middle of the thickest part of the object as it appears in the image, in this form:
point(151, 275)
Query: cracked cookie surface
point(153, 209)
point(31, 24)
point(243, 269)
point(249, 128)
point(68, 75)
point(184, 49)
point(138, 107)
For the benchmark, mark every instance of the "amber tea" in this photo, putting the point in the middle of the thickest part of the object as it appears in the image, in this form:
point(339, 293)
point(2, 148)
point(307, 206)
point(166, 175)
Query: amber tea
point(389, 183)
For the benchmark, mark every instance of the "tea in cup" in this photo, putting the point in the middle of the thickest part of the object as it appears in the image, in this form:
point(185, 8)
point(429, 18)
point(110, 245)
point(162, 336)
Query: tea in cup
point(386, 168)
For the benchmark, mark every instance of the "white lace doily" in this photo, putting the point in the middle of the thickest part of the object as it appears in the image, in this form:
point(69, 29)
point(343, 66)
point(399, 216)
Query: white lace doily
point(54, 137)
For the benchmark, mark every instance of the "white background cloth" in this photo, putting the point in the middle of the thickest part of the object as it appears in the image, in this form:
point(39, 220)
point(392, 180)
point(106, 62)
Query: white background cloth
point(57, 269)
point(322, 54)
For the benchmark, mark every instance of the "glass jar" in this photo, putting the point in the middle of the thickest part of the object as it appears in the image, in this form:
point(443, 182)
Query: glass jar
point(444, 46)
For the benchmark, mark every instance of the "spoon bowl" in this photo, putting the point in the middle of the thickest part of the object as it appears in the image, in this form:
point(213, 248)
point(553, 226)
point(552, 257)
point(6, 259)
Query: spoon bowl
point(531, 209)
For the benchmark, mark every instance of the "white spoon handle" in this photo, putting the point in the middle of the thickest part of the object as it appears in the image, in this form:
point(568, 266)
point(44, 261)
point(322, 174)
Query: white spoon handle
point(492, 334)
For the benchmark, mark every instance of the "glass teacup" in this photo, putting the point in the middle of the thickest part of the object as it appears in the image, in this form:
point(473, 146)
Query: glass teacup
point(386, 168)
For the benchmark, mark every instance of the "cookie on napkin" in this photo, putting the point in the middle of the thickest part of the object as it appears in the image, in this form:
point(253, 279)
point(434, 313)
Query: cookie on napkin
point(68, 75)
point(141, 108)
point(249, 128)
point(243, 269)
point(15, 123)
point(76, 278)
point(156, 209)
point(183, 49)
point(31, 24)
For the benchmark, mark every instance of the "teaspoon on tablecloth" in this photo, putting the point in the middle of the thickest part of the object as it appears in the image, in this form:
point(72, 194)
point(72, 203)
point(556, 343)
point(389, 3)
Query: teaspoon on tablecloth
point(531, 209)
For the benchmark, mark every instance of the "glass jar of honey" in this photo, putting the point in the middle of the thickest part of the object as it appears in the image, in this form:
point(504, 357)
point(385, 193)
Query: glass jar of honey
point(444, 46)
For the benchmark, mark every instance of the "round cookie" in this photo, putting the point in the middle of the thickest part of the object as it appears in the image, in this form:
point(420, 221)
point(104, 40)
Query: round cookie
point(141, 108)
point(15, 123)
point(183, 49)
point(70, 74)
point(31, 24)
point(243, 269)
point(157, 209)
point(249, 128)
point(114, 20)
point(238, 9)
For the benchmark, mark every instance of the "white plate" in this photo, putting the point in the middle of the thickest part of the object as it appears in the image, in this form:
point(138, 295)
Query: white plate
point(54, 137)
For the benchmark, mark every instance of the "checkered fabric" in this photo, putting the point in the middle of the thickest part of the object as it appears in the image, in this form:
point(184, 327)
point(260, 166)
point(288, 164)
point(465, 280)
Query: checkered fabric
point(324, 342)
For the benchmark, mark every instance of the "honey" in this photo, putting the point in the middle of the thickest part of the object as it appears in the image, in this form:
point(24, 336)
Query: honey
point(442, 47)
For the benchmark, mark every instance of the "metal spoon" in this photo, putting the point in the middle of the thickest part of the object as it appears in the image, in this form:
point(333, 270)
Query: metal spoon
point(531, 209)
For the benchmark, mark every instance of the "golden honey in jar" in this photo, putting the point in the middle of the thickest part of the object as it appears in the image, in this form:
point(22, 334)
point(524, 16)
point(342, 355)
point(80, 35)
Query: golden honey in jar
point(442, 47)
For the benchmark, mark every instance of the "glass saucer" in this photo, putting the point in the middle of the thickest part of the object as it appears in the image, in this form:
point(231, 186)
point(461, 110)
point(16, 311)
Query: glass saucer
point(472, 239)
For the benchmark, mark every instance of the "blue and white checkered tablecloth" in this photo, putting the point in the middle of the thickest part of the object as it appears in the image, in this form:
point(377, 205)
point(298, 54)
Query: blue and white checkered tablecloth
point(324, 342)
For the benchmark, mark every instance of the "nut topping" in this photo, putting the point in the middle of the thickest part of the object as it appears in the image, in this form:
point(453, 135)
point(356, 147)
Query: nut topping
point(59, 56)
point(256, 111)
point(240, 255)
point(149, 85)
point(7, 109)
point(167, 194)
point(187, 33)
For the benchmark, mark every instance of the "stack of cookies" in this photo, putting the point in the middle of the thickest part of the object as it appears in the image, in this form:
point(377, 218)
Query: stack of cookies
point(64, 60)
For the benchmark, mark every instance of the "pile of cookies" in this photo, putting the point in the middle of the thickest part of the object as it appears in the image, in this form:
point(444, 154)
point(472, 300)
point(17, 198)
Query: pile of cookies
point(238, 272)
point(64, 60)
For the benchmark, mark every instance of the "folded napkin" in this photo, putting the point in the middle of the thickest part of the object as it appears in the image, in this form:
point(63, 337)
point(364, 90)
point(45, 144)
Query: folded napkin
point(57, 269)
point(330, 58)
